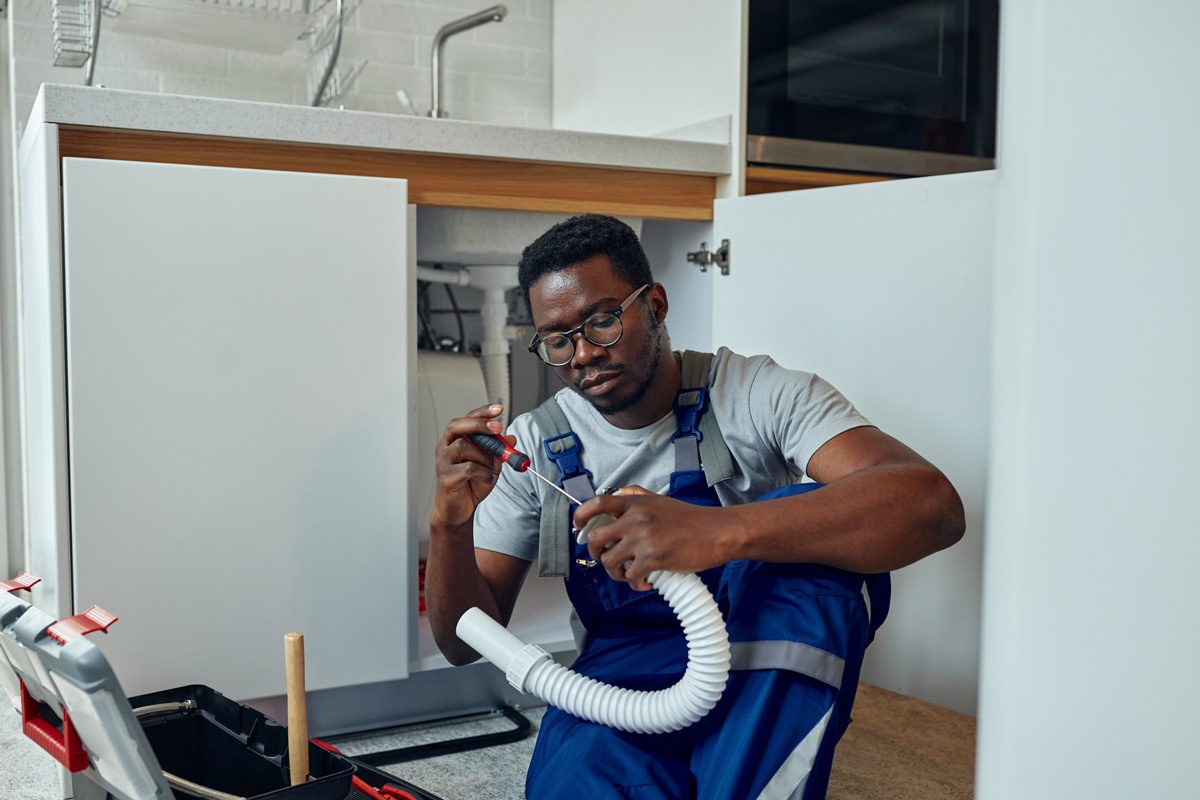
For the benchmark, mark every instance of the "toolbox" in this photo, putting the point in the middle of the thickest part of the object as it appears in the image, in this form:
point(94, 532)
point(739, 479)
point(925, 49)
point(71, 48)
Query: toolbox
point(189, 742)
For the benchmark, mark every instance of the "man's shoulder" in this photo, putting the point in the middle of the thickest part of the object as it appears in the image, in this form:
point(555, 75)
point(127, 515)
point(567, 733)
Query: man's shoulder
point(738, 373)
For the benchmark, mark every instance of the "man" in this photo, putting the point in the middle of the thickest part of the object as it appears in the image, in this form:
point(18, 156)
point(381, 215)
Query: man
point(788, 572)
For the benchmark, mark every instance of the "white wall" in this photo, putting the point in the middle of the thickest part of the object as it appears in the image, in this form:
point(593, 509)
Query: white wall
point(1090, 653)
point(646, 68)
point(8, 311)
point(614, 62)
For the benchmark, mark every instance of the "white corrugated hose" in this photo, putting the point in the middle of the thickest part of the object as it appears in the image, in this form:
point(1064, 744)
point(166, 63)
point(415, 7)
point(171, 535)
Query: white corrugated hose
point(531, 670)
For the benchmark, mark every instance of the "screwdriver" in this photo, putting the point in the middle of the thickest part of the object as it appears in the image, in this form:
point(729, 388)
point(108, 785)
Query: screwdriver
point(501, 449)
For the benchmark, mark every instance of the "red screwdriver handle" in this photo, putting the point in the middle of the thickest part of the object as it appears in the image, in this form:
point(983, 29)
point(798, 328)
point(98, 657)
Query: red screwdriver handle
point(501, 449)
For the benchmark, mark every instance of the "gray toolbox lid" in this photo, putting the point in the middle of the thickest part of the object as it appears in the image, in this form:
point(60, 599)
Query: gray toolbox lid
point(12, 607)
point(46, 661)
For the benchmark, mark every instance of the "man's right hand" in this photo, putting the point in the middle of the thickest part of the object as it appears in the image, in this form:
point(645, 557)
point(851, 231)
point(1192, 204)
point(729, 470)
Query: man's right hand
point(465, 473)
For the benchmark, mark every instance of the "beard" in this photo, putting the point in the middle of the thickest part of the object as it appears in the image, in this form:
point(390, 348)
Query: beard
point(648, 357)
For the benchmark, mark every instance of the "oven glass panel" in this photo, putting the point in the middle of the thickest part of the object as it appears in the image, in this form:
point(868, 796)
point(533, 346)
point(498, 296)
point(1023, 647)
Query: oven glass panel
point(915, 74)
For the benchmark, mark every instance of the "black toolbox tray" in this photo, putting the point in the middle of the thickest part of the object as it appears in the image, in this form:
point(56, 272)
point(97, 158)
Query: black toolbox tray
point(224, 745)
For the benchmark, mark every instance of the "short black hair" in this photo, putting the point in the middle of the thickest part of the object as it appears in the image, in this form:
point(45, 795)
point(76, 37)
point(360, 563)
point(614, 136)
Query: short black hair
point(578, 239)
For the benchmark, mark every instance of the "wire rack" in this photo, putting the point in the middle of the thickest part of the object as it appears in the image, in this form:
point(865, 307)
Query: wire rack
point(265, 26)
point(71, 31)
point(328, 78)
point(302, 7)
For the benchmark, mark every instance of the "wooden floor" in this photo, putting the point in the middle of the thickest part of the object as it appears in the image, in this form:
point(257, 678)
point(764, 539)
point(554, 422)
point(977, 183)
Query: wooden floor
point(900, 748)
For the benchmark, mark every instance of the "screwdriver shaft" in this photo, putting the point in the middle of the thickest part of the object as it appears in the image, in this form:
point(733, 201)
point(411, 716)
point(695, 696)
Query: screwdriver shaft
point(554, 485)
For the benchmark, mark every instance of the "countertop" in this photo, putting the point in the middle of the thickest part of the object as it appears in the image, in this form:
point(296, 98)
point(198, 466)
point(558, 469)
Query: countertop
point(702, 151)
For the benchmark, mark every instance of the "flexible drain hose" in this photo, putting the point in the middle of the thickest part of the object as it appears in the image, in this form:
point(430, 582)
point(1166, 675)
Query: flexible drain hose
point(530, 669)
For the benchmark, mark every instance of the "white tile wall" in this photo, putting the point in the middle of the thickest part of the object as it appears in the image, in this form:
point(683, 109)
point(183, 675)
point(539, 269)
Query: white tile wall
point(499, 72)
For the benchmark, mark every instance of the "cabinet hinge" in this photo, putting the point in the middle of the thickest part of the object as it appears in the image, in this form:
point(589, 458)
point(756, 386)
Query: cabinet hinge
point(704, 257)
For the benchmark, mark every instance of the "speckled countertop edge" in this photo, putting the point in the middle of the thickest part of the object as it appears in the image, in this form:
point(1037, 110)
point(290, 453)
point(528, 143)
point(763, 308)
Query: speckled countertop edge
point(202, 116)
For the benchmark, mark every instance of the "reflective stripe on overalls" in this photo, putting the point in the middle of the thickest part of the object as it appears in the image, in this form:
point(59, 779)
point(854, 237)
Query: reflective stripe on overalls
point(797, 633)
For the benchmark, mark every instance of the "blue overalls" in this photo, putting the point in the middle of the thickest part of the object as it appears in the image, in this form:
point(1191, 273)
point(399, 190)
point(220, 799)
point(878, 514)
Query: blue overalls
point(797, 634)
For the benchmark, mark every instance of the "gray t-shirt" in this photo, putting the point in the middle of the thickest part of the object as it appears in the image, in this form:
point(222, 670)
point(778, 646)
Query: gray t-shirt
point(773, 420)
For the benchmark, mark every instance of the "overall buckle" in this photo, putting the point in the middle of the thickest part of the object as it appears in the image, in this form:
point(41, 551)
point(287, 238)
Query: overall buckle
point(689, 406)
point(563, 450)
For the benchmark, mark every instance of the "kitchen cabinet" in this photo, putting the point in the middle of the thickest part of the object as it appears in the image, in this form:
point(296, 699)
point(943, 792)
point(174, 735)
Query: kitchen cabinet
point(763, 180)
point(234, 449)
point(831, 281)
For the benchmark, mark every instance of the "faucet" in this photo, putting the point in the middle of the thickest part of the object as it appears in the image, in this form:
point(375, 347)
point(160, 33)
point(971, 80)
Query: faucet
point(493, 14)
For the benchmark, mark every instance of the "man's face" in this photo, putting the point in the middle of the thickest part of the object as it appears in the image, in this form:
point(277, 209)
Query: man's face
point(612, 378)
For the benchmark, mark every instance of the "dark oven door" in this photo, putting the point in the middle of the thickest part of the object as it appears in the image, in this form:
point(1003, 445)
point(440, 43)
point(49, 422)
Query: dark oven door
point(899, 86)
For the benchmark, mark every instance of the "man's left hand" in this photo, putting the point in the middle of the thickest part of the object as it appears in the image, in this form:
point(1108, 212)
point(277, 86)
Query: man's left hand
point(652, 532)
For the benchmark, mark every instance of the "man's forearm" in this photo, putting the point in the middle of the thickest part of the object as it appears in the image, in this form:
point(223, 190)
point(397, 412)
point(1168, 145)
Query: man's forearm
point(453, 584)
point(875, 520)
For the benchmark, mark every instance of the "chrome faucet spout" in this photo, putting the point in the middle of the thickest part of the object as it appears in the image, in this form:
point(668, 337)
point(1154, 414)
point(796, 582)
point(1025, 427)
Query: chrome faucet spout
point(493, 14)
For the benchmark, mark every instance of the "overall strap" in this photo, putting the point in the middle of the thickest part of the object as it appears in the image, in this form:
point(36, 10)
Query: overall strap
point(702, 443)
point(563, 449)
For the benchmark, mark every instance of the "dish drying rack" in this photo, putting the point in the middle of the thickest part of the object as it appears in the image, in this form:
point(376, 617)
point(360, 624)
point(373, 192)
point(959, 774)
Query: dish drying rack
point(327, 79)
point(263, 26)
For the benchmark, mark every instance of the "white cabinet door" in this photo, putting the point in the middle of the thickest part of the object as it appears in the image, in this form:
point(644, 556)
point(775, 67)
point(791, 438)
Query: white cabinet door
point(239, 394)
point(885, 290)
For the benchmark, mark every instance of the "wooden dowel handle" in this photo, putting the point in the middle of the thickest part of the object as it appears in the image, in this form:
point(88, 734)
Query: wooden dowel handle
point(297, 709)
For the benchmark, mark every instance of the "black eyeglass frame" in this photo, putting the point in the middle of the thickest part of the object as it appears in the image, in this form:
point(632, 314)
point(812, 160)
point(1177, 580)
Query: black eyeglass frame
point(537, 341)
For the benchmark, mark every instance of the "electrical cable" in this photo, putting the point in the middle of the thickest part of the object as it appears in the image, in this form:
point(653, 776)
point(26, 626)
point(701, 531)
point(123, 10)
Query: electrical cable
point(423, 316)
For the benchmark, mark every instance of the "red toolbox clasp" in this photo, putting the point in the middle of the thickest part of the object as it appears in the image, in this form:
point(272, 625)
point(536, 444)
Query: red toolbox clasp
point(23, 581)
point(90, 621)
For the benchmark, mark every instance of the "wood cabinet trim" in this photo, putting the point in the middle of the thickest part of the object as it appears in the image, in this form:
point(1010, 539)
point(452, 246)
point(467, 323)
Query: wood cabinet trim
point(433, 180)
point(761, 180)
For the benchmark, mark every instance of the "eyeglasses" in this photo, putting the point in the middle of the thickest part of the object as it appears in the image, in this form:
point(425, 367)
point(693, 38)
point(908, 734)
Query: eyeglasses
point(602, 329)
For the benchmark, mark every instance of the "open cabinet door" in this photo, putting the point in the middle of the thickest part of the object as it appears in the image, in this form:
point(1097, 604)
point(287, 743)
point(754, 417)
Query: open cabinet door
point(884, 289)
point(239, 354)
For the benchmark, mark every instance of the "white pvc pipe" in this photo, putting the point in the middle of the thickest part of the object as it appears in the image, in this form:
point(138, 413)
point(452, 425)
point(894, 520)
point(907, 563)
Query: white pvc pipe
point(455, 277)
point(494, 282)
point(530, 669)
